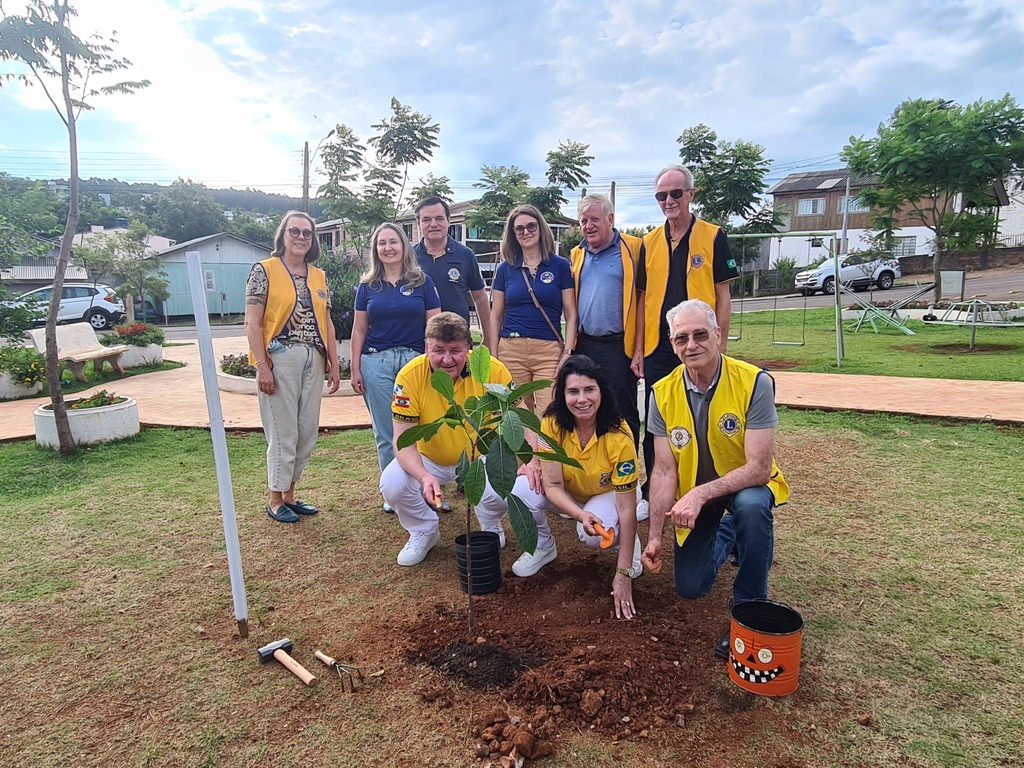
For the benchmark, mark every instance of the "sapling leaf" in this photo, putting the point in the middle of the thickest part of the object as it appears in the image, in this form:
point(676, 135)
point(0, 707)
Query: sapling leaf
point(480, 363)
point(523, 525)
point(476, 481)
point(529, 387)
point(417, 433)
point(512, 430)
point(461, 469)
point(502, 466)
point(529, 418)
point(442, 382)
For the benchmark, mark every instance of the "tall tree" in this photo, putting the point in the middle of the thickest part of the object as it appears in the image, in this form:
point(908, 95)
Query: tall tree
point(127, 257)
point(730, 176)
point(185, 211)
point(405, 138)
point(930, 158)
point(504, 187)
point(50, 53)
point(431, 186)
point(568, 164)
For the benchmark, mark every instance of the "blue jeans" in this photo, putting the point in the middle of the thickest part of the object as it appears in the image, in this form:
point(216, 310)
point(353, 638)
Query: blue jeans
point(750, 526)
point(380, 369)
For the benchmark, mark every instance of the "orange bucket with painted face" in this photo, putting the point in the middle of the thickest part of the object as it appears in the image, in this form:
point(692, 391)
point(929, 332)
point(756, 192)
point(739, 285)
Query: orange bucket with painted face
point(764, 647)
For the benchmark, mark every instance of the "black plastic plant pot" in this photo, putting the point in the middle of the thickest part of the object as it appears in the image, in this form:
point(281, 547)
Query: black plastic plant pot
point(485, 558)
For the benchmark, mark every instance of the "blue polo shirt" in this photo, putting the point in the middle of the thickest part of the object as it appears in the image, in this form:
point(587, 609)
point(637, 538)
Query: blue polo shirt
point(455, 273)
point(600, 295)
point(397, 314)
point(521, 316)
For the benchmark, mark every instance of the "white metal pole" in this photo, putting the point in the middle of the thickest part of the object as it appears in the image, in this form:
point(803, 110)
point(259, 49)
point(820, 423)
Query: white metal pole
point(220, 444)
point(840, 347)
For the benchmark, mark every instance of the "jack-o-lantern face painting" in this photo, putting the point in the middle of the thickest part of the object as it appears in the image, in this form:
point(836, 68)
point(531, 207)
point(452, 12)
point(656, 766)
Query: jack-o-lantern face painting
point(766, 661)
point(753, 665)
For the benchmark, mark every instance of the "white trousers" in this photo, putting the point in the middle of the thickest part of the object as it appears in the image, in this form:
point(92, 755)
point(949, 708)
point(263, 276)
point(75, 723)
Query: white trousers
point(405, 495)
point(602, 505)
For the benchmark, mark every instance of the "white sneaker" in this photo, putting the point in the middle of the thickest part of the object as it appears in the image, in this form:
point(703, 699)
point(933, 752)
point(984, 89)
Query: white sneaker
point(417, 547)
point(643, 510)
point(528, 564)
point(498, 530)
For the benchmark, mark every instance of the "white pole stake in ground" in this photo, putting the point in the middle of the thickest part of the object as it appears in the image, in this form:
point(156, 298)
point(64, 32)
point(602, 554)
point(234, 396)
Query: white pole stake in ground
point(220, 444)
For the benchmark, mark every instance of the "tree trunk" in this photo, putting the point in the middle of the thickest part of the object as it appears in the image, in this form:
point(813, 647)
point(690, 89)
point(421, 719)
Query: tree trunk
point(60, 412)
point(940, 249)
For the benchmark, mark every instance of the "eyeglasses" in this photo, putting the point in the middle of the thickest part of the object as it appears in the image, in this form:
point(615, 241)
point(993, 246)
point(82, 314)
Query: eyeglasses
point(661, 197)
point(305, 234)
point(524, 228)
point(700, 335)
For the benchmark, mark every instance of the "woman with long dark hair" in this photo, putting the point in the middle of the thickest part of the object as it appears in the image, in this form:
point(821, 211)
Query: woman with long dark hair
point(291, 343)
point(584, 420)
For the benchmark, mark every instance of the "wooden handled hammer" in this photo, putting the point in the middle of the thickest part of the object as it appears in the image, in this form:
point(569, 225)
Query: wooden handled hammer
point(279, 650)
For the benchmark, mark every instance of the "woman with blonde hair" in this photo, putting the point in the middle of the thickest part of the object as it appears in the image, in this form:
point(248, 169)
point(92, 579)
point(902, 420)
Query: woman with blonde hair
point(394, 300)
point(533, 291)
point(291, 343)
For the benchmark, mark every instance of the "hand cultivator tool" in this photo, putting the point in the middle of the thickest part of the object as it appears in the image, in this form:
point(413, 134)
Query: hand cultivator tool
point(348, 672)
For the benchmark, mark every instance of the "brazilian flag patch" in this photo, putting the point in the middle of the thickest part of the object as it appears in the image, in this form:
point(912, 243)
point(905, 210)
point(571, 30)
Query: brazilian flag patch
point(625, 468)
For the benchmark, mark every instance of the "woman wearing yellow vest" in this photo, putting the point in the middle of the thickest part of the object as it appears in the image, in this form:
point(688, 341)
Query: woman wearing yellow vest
point(292, 344)
point(584, 420)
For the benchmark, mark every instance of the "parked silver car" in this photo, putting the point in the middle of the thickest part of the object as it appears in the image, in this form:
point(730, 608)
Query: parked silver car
point(856, 272)
point(95, 304)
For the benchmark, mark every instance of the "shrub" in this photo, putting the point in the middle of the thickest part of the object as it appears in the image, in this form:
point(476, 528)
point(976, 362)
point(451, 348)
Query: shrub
point(343, 275)
point(97, 400)
point(25, 366)
point(134, 335)
point(238, 365)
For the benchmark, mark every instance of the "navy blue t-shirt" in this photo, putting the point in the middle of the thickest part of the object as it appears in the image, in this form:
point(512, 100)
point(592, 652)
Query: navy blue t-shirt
point(397, 314)
point(521, 315)
point(455, 273)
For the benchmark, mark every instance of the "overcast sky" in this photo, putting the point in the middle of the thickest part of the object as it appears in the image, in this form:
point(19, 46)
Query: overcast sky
point(239, 85)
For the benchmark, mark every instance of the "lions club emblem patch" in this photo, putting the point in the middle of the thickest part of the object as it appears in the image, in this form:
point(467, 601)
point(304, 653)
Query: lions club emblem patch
point(606, 479)
point(406, 290)
point(546, 277)
point(454, 275)
point(679, 437)
point(697, 261)
point(729, 424)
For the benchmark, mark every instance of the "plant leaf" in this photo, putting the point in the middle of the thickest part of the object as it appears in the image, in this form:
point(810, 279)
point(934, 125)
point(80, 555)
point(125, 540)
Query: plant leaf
point(502, 466)
point(417, 433)
point(529, 418)
point(443, 383)
point(461, 469)
point(523, 525)
point(480, 363)
point(476, 481)
point(512, 430)
point(522, 390)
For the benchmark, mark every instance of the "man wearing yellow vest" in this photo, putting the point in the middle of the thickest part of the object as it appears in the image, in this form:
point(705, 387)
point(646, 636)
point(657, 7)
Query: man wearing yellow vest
point(605, 266)
point(713, 419)
point(685, 258)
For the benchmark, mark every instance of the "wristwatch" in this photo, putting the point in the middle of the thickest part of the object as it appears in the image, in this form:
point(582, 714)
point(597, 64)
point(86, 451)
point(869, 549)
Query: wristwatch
point(631, 571)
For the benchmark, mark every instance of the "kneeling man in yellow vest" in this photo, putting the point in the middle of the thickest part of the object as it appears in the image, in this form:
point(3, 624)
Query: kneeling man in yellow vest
point(713, 421)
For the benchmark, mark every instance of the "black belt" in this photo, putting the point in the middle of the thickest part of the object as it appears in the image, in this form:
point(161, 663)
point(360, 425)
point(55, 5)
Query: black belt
point(611, 338)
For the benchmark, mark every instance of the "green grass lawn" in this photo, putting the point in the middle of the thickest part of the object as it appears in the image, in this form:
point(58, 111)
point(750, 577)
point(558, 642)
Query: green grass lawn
point(935, 351)
point(901, 547)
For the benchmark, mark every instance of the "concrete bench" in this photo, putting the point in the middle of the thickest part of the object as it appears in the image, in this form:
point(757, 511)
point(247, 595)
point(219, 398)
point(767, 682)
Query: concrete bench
point(76, 345)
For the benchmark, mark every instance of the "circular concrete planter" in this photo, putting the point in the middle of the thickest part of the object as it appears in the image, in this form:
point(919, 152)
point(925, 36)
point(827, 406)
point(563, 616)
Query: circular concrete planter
point(90, 426)
point(241, 385)
point(9, 390)
point(136, 357)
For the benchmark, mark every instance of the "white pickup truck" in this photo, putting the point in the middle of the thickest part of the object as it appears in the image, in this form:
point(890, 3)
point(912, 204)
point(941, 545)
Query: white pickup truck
point(854, 271)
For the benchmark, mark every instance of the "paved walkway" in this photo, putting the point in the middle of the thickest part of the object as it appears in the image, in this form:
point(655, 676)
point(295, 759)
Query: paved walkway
point(176, 398)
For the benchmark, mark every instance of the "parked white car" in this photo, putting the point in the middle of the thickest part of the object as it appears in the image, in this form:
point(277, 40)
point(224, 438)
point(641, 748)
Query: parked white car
point(854, 271)
point(95, 304)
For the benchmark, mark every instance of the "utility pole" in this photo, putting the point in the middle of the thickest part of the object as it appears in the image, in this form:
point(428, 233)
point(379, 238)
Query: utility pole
point(305, 177)
point(612, 196)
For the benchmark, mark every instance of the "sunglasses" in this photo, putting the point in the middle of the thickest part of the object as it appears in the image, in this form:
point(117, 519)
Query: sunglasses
point(305, 234)
point(523, 229)
point(661, 197)
point(700, 336)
